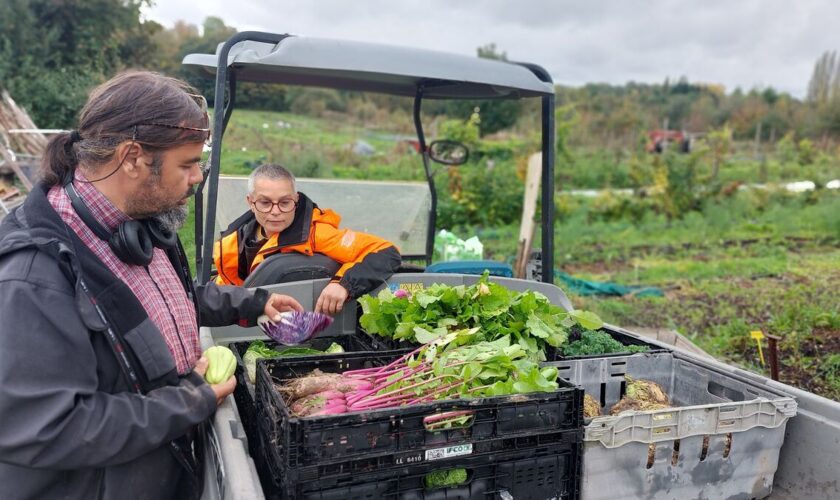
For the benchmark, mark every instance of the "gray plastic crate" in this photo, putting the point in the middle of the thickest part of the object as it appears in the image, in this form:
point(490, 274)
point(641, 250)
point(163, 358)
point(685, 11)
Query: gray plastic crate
point(307, 293)
point(721, 440)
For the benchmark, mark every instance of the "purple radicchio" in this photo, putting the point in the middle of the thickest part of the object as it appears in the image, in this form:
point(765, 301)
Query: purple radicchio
point(294, 327)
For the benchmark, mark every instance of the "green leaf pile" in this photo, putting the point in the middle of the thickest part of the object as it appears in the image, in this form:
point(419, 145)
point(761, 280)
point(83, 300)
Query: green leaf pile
point(259, 350)
point(591, 343)
point(445, 478)
point(527, 318)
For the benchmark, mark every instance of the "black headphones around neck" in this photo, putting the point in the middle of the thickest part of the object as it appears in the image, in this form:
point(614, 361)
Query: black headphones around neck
point(133, 241)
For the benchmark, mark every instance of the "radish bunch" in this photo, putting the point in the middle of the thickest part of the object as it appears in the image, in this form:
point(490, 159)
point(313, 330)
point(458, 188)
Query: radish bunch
point(321, 393)
point(451, 367)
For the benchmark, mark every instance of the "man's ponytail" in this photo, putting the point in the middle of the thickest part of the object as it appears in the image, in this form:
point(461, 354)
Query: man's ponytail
point(59, 158)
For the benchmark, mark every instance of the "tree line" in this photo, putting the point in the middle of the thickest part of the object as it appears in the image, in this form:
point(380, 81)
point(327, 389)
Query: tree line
point(53, 52)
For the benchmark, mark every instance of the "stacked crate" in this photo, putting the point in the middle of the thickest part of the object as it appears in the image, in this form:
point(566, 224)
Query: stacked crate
point(721, 438)
point(245, 389)
point(520, 446)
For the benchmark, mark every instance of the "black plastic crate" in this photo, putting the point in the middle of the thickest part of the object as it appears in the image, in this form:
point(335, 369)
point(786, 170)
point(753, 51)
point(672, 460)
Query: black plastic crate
point(400, 432)
point(550, 471)
point(380, 343)
point(336, 474)
point(244, 392)
point(270, 476)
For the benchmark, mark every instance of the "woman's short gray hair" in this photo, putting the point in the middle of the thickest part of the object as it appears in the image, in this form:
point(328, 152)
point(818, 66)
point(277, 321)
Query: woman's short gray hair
point(271, 171)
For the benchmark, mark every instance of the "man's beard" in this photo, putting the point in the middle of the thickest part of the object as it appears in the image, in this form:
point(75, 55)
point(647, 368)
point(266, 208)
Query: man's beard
point(174, 218)
point(150, 206)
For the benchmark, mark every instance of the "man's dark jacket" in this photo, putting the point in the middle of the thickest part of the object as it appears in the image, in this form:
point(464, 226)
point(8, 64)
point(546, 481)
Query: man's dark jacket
point(70, 425)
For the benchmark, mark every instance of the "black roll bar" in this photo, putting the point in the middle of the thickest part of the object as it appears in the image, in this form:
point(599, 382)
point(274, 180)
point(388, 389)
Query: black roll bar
point(226, 77)
point(421, 139)
point(204, 253)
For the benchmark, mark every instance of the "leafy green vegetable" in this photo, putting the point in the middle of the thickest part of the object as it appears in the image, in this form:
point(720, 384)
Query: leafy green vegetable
point(334, 348)
point(598, 342)
point(527, 318)
point(445, 478)
point(587, 319)
point(259, 347)
point(298, 351)
point(258, 350)
point(456, 420)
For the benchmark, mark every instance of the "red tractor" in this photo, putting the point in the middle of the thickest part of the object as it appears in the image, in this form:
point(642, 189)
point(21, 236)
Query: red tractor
point(660, 140)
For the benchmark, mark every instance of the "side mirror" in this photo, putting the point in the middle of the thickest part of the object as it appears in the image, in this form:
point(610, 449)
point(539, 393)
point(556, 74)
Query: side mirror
point(449, 152)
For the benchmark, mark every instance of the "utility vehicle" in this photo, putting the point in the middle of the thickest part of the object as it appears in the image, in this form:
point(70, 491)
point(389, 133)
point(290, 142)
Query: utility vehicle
point(809, 462)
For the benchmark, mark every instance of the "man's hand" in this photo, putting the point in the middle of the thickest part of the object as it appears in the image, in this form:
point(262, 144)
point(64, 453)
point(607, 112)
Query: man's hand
point(280, 303)
point(332, 299)
point(221, 390)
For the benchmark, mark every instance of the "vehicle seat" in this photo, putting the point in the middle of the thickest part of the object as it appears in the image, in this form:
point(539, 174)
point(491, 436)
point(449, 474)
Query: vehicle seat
point(287, 267)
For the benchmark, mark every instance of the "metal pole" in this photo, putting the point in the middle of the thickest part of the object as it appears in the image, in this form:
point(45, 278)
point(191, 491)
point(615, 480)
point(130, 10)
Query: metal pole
point(547, 209)
point(421, 138)
point(205, 259)
point(199, 193)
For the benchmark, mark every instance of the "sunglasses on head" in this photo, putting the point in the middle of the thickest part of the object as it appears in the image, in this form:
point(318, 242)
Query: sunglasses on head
point(202, 104)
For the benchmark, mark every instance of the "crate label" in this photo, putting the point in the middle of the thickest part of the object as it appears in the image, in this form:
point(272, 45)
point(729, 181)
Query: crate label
point(449, 452)
point(409, 458)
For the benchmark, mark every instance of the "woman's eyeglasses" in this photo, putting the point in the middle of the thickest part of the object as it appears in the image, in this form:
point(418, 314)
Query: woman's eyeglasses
point(266, 206)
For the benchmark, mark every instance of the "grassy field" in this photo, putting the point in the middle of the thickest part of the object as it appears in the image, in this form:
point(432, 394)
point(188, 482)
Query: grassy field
point(717, 296)
point(313, 147)
point(726, 271)
point(598, 169)
point(758, 259)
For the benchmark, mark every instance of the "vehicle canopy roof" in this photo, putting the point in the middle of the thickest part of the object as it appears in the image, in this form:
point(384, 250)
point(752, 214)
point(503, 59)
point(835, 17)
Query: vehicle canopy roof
point(349, 65)
point(370, 67)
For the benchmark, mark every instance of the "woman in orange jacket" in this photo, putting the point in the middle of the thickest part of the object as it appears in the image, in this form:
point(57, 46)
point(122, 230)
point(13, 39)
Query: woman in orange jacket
point(282, 220)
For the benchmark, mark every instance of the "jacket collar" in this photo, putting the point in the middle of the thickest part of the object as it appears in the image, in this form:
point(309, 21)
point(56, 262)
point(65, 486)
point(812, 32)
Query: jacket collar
point(35, 223)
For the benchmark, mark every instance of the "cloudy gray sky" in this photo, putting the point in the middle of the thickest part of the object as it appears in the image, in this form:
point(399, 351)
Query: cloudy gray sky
point(746, 43)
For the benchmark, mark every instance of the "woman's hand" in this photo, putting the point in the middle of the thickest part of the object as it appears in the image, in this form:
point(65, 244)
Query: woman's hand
point(332, 299)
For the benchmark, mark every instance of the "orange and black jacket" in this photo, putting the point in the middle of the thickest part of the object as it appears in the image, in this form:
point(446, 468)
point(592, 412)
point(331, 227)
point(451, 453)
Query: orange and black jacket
point(366, 260)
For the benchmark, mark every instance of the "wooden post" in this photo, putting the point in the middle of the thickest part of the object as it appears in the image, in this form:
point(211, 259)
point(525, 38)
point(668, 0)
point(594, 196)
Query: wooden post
point(773, 349)
point(31, 142)
point(529, 208)
point(13, 117)
point(9, 160)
